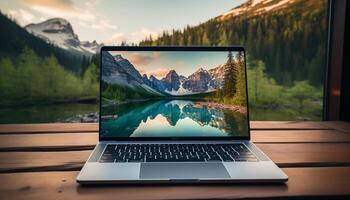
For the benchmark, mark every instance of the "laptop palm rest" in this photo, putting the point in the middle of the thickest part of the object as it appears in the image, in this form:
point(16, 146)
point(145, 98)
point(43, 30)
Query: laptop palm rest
point(183, 171)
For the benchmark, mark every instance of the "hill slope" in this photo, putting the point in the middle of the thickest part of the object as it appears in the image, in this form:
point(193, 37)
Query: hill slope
point(14, 38)
point(289, 36)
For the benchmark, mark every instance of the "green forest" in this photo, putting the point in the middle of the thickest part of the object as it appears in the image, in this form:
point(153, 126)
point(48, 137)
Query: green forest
point(34, 72)
point(31, 79)
point(118, 93)
point(234, 88)
point(286, 55)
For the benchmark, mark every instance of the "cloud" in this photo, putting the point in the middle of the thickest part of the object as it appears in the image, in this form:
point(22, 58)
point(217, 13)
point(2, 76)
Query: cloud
point(179, 64)
point(116, 39)
point(85, 17)
point(139, 59)
point(134, 37)
point(65, 5)
point(144, 63)
point(159, 73)
point(92, 3)
point(101, 25)
point(143, 33)
point(23, 17)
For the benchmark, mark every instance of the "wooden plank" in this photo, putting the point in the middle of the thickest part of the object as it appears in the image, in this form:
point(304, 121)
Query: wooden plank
point(305, 136)
point(284, 155)
point(310, 154)
point(79, 141)
point(93, 127)
point(287, 125)
point(338, 125)
point(303, 182)
point(61, 141)
point(42, 161)
point(48, 128)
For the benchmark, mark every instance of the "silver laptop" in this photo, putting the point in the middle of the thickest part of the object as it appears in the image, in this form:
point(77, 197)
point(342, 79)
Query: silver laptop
point(175, 115)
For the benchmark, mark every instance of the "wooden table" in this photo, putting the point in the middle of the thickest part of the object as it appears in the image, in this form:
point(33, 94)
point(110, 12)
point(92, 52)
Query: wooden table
point(42, 161)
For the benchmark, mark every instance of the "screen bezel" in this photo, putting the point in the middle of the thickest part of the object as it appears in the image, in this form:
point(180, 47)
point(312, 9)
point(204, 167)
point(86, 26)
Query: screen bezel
point(172, 48)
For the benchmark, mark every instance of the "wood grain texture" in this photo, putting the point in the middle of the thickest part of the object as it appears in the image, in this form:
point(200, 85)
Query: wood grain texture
point(93, 127)
point(87, 140)
point(48, 140)
point(303, 182)
point(295, 154)
point(41, 162)
point(299, 136)
point(287, 125)
point(284, 155)
point(48, 128)
point(338, 125)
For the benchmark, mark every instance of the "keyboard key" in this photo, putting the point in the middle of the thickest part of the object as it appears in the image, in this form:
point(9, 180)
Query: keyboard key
point(214, 160)
point(135, 160)
point(177, 153)
point(106, 160)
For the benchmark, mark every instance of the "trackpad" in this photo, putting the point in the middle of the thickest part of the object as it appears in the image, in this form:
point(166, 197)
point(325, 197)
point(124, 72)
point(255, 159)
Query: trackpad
point(183, 171)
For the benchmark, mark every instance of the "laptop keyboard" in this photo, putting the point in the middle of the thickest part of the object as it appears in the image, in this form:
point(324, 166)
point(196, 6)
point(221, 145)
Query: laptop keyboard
point(177, 153)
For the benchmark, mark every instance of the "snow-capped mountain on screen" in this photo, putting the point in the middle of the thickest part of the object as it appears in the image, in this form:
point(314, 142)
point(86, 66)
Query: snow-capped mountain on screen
point(217, 76)
point(119, 71)
point(59, 32)
point(201, 81)
point(171, 81)
point(128, 67)
point(156, 84)
point(198, 81)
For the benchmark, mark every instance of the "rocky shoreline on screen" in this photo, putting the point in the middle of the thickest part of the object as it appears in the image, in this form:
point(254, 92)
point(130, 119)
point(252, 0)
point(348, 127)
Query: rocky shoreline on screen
point(220, 106)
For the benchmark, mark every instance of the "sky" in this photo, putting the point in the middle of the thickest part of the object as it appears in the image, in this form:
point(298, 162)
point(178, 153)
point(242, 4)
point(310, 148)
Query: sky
point(161, 62)
point(114, 21)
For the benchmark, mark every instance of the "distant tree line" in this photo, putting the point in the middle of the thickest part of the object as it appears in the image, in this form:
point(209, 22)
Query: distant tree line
point(291, 42)
point(32, 79)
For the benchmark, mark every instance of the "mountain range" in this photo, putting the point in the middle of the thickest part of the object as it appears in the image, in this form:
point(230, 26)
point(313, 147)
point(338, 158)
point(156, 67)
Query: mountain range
point(119, 71)
point(255, 7)
point(59, 32)
point(270, 30)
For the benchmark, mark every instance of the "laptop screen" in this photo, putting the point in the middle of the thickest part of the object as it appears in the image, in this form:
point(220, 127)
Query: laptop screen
point(175, 93)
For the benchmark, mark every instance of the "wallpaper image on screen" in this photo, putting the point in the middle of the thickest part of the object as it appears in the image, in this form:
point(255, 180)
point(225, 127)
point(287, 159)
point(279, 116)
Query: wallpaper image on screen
point(173, 94)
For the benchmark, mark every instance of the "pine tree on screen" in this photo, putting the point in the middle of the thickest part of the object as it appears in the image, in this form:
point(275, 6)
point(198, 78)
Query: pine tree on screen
point(230, 77)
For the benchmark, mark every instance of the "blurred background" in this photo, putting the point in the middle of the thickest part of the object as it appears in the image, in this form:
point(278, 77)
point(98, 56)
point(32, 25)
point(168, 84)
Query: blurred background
point(49, 51)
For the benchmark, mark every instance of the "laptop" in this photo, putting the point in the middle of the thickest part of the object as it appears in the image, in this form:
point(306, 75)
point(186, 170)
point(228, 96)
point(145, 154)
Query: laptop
point(175, 115)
